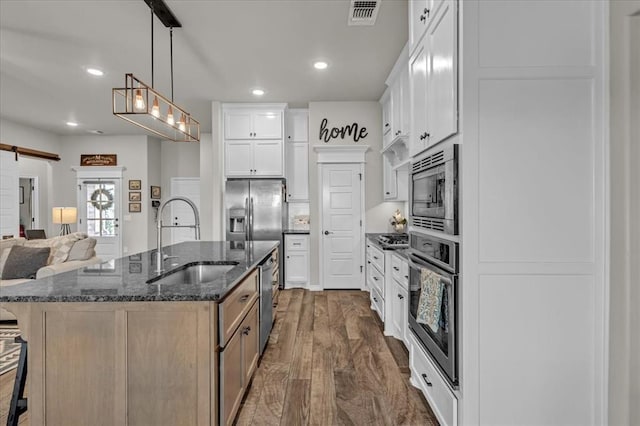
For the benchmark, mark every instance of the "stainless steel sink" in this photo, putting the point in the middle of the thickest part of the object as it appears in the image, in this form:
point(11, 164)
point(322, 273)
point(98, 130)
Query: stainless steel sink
point(195, 273)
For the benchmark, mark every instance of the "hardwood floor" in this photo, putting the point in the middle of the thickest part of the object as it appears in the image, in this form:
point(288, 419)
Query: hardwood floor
point(327, 363)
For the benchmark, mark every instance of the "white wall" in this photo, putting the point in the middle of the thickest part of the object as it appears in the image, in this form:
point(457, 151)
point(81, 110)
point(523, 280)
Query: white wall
point(338, 114)
point(212, 179)
point(624, 354)
point(154, 177)
point(12, 133)
point(132, 154)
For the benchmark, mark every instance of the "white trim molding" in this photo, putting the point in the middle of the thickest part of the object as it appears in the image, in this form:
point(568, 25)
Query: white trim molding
point(341, 153)
point(99, 172)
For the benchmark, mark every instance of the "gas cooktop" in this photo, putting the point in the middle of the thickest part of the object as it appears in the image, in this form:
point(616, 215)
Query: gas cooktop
point(394, 241)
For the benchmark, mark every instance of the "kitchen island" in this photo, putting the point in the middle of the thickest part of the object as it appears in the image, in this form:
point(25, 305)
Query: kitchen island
point(108, 347)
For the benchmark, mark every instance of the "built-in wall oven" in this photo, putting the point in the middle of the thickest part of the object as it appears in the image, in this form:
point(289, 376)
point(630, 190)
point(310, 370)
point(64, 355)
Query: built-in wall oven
point(433, 306)
point(434, 191)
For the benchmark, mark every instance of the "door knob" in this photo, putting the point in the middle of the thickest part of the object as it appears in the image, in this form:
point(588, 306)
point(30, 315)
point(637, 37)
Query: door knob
point(326, 232)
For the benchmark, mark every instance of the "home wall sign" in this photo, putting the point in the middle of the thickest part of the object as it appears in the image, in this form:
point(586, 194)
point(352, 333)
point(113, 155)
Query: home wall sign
point(98, 160)
point(354, 131)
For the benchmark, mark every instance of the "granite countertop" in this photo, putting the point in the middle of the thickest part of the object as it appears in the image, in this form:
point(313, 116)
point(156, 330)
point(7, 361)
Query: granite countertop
point(125, 279)
point(295, 231)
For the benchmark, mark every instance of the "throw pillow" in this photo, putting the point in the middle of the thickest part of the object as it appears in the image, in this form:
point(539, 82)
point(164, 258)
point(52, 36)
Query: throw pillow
point(3, 258)
point(61, 246)
point(24, 262)
point(82, 250)
point(40, 244)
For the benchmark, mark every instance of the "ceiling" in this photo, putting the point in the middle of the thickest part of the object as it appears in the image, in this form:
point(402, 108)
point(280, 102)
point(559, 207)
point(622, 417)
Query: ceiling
point(224, 49)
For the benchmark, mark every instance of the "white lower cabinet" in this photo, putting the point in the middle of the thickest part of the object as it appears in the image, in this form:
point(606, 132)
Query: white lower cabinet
point(376, 278)
point(296, 260)
point(425, 377)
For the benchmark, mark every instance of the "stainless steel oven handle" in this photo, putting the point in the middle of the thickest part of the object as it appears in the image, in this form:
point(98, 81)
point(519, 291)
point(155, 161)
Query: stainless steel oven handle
point(422, 265)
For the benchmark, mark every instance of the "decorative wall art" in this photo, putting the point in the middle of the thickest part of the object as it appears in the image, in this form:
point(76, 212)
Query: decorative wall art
point(135, 185)
point(98, 160)
point(350, 130)
point(135, 207)
point(155, 193)
point(135, 196)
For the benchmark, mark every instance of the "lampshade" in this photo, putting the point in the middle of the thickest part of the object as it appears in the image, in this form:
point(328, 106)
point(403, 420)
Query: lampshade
point(64, 215)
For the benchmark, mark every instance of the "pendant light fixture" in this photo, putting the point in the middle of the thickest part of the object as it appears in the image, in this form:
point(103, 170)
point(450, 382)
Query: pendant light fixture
point(131, 102)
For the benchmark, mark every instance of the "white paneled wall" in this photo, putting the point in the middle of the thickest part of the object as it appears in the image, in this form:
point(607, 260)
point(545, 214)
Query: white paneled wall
point(534, 217)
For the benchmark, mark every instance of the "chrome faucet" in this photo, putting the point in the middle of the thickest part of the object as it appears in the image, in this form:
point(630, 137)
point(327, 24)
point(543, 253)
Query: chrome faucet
point(160, 257)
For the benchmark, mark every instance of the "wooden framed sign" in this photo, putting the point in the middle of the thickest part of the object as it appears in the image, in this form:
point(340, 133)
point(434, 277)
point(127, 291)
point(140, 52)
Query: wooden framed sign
point(98, 160)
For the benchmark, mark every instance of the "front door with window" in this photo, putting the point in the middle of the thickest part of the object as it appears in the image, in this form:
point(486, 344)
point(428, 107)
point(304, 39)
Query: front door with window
point(99, 214)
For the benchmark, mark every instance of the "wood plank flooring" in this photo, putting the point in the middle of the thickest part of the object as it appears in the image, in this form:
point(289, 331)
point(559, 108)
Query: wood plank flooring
point(327, 363)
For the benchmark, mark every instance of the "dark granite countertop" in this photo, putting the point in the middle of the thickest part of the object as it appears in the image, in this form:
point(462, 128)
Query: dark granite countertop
point(295, 231)
point(125, 279)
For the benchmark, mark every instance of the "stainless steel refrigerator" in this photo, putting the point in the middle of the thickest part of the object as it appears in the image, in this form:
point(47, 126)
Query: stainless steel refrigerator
point(256, 210)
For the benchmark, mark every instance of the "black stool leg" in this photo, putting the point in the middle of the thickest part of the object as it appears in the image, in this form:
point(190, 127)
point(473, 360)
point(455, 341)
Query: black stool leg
point(18, 401)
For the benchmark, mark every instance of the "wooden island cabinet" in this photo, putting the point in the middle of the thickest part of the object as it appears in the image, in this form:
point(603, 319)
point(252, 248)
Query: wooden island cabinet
point(141, 362)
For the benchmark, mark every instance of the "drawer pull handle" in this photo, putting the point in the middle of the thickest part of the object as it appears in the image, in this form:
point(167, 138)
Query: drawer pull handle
point(244, 298)
point(395, 268)
point(246, 331)
point(400, 296)
point(375, 278)
point(375, 300)
point(369, 262)
point(375, 257)
point(426, 380)
point(406, 276)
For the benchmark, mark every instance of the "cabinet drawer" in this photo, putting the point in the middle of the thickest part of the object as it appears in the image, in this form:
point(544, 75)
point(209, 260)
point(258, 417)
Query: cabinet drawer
point(236, 305)
point(296, 243)
point(375, 278)
point(375, 256)
point(275, 257)
point(400, 270)
point(424, 375)
point(378, 303)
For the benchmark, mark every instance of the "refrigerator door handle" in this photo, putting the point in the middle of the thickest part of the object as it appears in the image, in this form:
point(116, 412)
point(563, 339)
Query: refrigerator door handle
point(246, 219)
point(251, 217)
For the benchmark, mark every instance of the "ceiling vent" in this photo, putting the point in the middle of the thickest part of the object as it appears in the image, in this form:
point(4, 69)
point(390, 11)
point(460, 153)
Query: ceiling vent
point(363, 12)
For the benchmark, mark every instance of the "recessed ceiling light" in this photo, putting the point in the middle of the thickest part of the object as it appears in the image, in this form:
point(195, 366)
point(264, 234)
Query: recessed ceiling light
point(96, 132)
point(72, 124)
point(320, 65)
point(95, 71)
point(258, 92)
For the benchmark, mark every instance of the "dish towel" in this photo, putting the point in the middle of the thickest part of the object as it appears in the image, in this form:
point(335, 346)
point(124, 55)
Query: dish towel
point(430, 302)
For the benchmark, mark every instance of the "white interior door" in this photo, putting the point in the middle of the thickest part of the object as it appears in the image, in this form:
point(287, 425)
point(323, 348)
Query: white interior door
point(341, 233)
point(181, 213)
point(9, 210)
point(99, 210)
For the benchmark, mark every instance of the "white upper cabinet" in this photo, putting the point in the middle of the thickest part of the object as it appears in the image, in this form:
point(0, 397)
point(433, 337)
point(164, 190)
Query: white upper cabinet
point(253, 124)
point(254, 140)
point(386, 117)
point(297, 125)
point(433, 70)
point(421, 15)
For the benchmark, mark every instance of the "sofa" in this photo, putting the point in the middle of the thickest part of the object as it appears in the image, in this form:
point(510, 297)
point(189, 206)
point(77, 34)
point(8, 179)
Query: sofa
point(67, 252)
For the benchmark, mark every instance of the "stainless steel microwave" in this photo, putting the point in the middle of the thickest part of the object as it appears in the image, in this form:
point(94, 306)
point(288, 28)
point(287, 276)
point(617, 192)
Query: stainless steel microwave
point(434, 191)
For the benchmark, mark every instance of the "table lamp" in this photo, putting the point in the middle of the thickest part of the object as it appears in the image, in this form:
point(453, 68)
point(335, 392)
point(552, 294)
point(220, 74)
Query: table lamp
point(64, 216)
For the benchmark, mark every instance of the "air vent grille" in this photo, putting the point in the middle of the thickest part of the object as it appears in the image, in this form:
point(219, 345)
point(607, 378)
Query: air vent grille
point(363, 12)
point(432, 160)
point(433, 224)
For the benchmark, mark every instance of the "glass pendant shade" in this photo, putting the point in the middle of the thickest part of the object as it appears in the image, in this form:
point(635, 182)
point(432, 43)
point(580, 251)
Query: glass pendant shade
point(155, 109)
point(126, 103)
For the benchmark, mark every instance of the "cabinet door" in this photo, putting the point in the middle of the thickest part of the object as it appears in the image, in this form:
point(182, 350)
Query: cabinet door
point(417, 21)
point(238, 157)
point(403, 315)
point(396, 108)
point(237, 125)
point(296, 268)
point(267, 124)
point(232, 377)
point(405, 99)
point(298, 171)
point(250, 330)
point(396, 309)
point(297, 125)
point(267, 158)
point(418, 84)
point(390, 183)
point(386, 118)
point(442, 106)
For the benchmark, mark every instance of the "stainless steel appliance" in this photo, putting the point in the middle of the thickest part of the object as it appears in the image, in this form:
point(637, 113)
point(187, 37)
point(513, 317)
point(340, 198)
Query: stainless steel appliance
point(434, 191)
point(266, 302)
point(439, 256)
point(256, 210)
point(393, 241)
